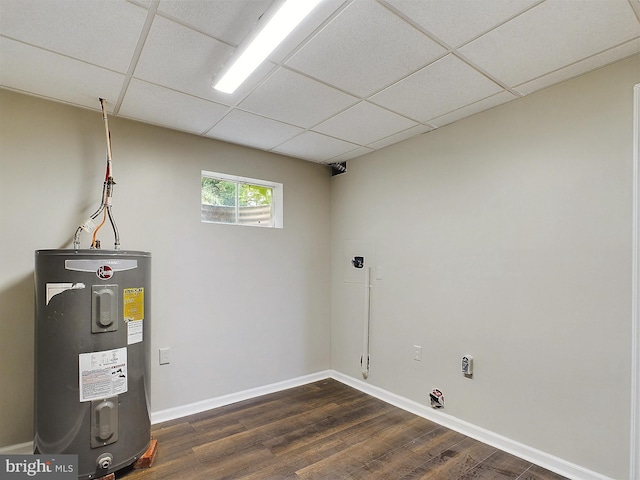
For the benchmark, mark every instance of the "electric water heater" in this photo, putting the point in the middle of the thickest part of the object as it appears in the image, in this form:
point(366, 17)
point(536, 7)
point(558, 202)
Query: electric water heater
point(92, 314)
point(92, 346)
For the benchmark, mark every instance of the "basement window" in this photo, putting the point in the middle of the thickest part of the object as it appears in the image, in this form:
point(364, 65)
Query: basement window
point(240, 200)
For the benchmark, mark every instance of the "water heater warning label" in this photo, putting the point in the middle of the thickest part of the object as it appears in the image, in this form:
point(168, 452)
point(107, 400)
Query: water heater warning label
point(133, 308)
point(133, 304)
point(103, 374)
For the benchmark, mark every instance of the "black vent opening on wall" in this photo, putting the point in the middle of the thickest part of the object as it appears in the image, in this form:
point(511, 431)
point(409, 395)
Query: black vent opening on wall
point(338, 168)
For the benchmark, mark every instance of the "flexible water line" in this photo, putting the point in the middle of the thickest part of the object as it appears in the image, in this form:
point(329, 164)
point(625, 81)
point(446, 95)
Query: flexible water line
point(89, 225)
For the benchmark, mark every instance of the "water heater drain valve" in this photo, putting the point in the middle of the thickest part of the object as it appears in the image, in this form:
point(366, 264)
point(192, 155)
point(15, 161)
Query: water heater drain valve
point(104, 461)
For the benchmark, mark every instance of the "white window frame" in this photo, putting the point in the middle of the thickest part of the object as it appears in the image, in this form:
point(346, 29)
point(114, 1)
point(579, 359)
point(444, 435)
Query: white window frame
point(276, 199)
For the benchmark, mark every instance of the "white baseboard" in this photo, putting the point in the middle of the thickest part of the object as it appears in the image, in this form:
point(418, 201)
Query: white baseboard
point(25, 448)
point(518, 449)
point(204, 405)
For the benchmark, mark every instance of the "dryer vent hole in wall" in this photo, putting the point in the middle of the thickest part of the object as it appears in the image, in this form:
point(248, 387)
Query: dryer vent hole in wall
point(437, 398)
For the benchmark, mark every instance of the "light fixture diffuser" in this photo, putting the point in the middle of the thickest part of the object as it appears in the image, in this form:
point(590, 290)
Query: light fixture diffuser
point(270, 31)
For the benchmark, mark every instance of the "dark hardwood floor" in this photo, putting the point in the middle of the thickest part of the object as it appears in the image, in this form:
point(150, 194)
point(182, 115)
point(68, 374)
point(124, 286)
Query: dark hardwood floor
point(323, 430)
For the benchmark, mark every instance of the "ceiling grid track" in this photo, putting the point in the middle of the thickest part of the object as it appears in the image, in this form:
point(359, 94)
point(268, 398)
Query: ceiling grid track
point(354, 77)
point(153, 8)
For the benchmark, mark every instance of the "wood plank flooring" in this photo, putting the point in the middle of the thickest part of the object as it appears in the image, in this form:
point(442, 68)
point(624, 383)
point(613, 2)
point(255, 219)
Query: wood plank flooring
point(323, 430)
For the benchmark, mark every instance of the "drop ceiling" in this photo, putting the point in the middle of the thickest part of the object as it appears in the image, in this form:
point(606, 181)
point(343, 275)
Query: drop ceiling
point(354, 77)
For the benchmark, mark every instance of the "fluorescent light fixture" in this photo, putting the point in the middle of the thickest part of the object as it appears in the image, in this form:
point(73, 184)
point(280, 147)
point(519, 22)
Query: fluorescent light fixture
point(278, 22)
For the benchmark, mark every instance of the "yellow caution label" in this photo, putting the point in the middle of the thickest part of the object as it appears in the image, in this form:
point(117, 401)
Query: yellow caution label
point(133, 299)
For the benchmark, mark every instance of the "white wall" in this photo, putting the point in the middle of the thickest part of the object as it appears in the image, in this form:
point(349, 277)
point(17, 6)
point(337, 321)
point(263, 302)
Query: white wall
point(239, 307)
point(506, 236)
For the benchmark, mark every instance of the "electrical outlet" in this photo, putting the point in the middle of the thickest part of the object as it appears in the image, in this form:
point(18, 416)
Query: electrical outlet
point(164, 356)
point(417, 353)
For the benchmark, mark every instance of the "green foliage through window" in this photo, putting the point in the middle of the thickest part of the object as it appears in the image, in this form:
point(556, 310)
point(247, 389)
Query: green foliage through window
point(234, 201)
point(218, 192)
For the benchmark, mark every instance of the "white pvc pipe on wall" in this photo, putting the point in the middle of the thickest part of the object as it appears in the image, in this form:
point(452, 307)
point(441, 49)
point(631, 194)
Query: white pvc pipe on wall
point(366, 323)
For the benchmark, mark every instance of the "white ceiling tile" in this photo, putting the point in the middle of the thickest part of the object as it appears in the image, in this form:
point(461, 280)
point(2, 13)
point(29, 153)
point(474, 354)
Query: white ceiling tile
point(315, 147)
point(320, 14)
point(591, 63)
point(364, 123)
point(164, 59)
point(75, 51)
point(252, 130)
point(398, 137)
point(485, 104)
point(439, 88)
point(160, 106)
point(364, 49)
point(552, 35)
point(23, 68)
point(227, 20)
point(358, 152)
point(101, 32)
point(143, 3)
point(455, 22)
point(296, 99)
